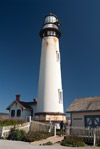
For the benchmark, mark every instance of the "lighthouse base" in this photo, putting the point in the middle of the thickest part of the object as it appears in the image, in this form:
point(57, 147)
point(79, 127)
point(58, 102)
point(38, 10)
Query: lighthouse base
point(50, 116)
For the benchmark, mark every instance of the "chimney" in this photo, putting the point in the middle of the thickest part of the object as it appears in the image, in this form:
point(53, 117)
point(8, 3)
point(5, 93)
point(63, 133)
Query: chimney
point(17, 97)
point(35, 100)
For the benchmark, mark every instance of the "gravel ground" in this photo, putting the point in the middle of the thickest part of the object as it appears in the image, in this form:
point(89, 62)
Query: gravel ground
point(6, 144)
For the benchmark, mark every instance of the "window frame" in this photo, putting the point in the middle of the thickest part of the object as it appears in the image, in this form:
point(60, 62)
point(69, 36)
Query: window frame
point(18, 115)
point(60, 96)
point(12, 115)
point(58, 56)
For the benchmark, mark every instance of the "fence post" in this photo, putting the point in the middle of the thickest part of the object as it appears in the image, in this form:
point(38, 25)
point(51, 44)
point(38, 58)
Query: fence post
point(54, 129)
point(2, 132)
point(68, 131)
point(94, 142)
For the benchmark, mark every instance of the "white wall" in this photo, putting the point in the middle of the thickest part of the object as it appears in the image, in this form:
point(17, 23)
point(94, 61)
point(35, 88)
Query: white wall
point(49, 77)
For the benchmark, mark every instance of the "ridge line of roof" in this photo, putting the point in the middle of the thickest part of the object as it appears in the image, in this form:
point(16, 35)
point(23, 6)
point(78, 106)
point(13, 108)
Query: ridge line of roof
point(86, 97)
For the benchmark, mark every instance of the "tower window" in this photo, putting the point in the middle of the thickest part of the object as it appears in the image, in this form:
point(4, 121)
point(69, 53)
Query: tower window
point(48, 32)
point(58, 56)
point(60, 95)
point(43, 34)
point(54, 33)
point(51, 33)
point(19, 113)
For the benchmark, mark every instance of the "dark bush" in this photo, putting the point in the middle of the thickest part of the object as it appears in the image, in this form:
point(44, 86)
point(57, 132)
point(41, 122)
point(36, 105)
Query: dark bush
point(35, 136)
point(11, 122)
point(73, 141)
point(17, 135)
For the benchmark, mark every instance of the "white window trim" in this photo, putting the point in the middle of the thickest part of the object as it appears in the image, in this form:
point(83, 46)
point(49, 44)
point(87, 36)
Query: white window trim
point(60, 96)
point(58, 56)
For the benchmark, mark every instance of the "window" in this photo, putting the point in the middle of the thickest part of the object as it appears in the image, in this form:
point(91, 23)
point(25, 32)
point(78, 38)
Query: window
point(51, 33)
point(48, 33)
point(19, 113)
point(54, 33)
point(43, 34)
point(60, 95)
point(50, 19)
point(12, 113)
point(58, 56)
point(92, 121)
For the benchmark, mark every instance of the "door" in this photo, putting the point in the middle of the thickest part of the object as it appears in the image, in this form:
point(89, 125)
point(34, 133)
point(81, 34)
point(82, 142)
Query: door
point(92, 121)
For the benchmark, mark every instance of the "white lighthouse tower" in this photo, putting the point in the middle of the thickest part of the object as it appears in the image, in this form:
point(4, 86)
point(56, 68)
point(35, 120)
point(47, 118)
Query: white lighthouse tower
point(50, 92)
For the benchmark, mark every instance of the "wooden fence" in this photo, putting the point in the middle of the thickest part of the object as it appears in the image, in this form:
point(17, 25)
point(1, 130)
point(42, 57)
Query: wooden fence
point(90, 135)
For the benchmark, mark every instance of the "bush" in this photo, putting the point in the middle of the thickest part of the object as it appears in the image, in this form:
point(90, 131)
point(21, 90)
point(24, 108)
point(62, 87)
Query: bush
point(18, 135)
point(73, 141)
point(11, 122)
point(48, 143)
point(35, 136)
point(58, 132)
point(97, 145)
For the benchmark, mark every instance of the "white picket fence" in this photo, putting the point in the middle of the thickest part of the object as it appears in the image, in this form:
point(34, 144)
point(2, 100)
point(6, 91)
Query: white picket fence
point(5, 130)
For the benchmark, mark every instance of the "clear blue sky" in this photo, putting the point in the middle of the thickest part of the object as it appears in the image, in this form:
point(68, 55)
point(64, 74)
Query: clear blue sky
point(20, 48)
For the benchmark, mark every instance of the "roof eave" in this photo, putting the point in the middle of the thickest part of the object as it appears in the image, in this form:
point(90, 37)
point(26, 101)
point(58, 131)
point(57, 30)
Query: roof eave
point(13, 103)
point(98, 110)
point(10, 105)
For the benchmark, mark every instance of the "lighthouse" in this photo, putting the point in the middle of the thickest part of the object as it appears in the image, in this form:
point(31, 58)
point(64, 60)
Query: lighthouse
point(50, 92)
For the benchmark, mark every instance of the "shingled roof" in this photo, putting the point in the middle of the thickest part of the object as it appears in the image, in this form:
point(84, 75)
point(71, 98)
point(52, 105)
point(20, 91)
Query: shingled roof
point(24, 105)
point(85, 104)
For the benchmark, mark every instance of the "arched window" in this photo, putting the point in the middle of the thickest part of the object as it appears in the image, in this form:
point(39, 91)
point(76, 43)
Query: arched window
point(12, 113)
point(18, 112)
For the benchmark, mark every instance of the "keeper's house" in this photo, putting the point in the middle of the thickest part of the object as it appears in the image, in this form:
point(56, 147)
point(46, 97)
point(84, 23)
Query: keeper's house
point(85, 112)
point(20, 110)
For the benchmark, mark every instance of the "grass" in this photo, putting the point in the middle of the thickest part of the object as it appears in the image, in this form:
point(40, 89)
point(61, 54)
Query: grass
point(48, 143)
point(11, 122)
point(59, 133)
point(35, 136)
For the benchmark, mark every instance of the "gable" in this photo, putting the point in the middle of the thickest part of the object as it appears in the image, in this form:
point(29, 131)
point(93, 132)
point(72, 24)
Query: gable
point(13, 104)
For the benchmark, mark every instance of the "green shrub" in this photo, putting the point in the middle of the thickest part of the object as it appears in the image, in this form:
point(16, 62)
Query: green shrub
point(48, 143)
point(58, 132)
point(35, 136)
point(17, 135)
point(73, 141)
point(97, 145)
point(20, 135)
point(11, 122)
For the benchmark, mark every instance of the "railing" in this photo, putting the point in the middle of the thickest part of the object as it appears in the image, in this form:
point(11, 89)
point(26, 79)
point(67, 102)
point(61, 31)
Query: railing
point(90, 135)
